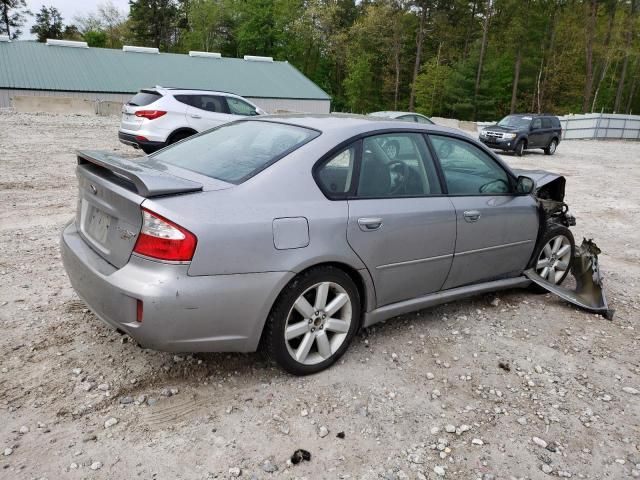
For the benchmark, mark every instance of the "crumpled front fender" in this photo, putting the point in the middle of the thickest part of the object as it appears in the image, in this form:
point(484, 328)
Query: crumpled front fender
point(589, 292)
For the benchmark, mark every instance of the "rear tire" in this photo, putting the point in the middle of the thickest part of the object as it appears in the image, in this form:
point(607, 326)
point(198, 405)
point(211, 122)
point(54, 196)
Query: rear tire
point(313, 321)
point(551, 148)
point(519, 148)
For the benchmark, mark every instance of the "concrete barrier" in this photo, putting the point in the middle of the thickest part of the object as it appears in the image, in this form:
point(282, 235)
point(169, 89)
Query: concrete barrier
point(31, 104)
point(106, 108)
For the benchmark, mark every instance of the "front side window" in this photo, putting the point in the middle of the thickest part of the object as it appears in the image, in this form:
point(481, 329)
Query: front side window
point(536, 124)
point(396, 165)
point(408, 118)
point(467, 169)
point(236, 151)
point(335, 176)
point(238, 107)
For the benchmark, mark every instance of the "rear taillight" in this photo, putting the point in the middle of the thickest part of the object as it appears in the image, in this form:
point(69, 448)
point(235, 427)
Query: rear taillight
point(162, 239)
point(150, 114)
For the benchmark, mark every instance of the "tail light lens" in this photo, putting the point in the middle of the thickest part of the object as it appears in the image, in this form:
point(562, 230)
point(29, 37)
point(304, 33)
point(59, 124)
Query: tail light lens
point(162, 239)
point(150, 114)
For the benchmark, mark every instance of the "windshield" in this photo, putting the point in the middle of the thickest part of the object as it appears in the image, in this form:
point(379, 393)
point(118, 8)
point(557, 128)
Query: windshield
point(236, 151)
point(515, 121)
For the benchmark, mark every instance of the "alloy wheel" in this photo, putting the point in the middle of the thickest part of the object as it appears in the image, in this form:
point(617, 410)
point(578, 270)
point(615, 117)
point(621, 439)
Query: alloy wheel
point(318, 323)
point(552, 147)
point(554, 259)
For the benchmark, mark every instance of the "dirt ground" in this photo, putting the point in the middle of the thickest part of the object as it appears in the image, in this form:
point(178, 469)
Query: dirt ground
point(421, 396)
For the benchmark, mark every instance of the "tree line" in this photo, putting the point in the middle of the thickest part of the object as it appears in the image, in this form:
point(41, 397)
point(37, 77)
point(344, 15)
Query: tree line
point(467, 59)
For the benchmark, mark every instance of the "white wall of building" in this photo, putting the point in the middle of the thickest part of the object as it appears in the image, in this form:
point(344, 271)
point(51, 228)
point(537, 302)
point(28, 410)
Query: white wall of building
point(271, 105)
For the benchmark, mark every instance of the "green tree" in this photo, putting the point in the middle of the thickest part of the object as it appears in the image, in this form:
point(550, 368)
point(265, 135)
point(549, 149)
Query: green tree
point(154, 23)
point(12, 17)
point(95, 38)
point(48, 24)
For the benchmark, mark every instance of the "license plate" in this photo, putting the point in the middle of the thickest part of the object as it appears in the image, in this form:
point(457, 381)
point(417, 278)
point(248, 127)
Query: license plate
point(98, 225)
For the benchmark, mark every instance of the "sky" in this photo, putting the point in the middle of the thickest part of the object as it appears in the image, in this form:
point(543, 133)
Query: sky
point(68, 9)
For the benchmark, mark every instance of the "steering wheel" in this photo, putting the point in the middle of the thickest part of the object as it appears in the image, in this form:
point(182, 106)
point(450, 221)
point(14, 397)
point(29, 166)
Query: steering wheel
point(495, 186)
point(399, 172)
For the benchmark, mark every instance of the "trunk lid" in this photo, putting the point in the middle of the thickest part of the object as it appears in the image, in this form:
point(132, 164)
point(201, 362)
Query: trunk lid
point(129, 120)
point(111, 190)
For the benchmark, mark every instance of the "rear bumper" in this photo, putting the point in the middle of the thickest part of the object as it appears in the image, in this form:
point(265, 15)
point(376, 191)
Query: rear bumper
point(181, 313)
point(131, 140)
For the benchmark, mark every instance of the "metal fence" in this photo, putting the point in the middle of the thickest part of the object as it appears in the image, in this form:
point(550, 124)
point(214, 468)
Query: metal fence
point(601, 126)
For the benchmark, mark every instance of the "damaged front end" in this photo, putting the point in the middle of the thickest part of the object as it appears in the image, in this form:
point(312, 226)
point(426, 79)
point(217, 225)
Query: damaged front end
point(588, 292)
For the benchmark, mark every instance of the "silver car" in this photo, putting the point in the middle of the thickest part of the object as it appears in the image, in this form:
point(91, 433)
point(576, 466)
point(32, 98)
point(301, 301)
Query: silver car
point(290, 233)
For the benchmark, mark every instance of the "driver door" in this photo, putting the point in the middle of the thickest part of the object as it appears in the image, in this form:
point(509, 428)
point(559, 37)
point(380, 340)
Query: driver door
point(496, 229)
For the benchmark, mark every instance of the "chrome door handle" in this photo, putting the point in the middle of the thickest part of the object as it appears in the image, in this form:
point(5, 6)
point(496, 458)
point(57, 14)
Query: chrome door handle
point(193, 115)
point(472, 215)
point(368, 224)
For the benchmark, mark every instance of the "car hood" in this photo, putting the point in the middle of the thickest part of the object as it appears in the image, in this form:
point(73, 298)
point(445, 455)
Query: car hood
point(498, 128)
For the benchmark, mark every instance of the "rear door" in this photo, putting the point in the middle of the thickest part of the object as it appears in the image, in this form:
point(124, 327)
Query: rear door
point(496, 229)
point(400, 224)
point(547, 131)
point(536, 134)
point(205, 111)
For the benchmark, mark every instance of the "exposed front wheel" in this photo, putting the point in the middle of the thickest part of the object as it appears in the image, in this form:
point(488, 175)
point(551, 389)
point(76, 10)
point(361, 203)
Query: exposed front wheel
point(554, 254)
point(313, 321)
point(519, 149)
point(551, 149)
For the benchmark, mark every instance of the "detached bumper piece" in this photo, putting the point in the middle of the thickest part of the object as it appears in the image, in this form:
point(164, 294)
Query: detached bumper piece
point(589, 292)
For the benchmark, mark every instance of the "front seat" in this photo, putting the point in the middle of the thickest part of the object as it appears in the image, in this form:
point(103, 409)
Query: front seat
point(375, 180)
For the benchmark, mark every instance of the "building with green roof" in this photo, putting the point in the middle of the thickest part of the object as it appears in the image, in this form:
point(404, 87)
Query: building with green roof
point(72, 69)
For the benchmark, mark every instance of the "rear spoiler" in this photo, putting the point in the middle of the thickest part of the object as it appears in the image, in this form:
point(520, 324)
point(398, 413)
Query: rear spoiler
point(147, 175)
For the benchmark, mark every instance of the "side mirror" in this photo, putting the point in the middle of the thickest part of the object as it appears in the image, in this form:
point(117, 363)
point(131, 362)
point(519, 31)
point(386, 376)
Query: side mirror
point(524, 185)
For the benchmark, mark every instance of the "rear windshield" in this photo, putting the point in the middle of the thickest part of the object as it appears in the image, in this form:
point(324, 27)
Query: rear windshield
point(236, 151)
point(144, 97)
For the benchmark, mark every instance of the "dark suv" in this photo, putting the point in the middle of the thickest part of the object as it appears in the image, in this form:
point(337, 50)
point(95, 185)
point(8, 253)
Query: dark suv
point(521, 132)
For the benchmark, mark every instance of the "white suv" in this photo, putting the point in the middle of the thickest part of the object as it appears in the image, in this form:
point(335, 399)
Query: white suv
point(157, 117)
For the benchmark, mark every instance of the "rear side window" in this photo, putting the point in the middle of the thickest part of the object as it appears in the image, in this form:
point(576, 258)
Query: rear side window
point(396, 165)
point(208, 103)
point(236, 151)
point(144, 97)
point(546, 122)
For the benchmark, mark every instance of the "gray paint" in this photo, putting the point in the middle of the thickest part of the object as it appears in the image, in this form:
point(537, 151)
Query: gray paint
point(220, 301)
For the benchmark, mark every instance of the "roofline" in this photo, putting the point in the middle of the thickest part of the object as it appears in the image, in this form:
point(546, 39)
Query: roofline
point(328, 99)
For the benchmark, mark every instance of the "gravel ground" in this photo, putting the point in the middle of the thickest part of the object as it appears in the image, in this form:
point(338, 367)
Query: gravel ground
point(509, 386)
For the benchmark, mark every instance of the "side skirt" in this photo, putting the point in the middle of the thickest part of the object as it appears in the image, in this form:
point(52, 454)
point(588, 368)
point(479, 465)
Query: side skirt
point(433, 299)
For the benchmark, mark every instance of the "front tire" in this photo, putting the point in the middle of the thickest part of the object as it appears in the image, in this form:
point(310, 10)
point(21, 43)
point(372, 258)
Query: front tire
point(519, 149)
point(554, 254)
point(313, 321)
point(551, 148)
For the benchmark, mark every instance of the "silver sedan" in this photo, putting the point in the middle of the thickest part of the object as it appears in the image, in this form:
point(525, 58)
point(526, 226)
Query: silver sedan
point(289, 233)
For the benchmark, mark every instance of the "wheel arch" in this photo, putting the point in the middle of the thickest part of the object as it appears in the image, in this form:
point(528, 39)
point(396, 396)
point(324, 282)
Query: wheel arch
point(178, 131)
point(360, 277)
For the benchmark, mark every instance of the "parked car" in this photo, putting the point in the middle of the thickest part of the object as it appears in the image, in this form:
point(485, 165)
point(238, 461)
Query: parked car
point(404, 116)
point(292, 232)
point(391, 147)
point(157, 117)
point(521, 132)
